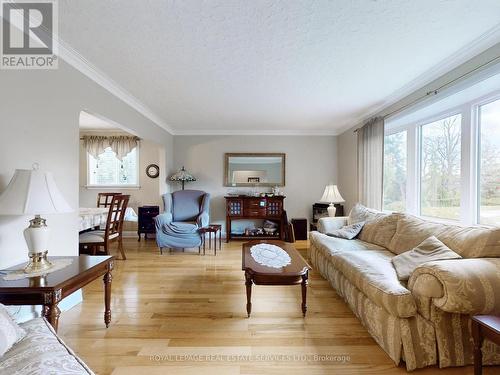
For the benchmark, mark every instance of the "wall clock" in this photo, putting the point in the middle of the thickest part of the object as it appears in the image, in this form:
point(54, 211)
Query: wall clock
point(152, 171)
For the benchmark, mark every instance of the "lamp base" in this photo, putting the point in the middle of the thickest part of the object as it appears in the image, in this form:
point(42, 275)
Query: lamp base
point(331, 210)
point(38, 262)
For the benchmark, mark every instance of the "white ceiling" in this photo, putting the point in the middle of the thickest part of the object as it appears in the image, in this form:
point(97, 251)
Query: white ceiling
point(274, 66)
point(90, 122)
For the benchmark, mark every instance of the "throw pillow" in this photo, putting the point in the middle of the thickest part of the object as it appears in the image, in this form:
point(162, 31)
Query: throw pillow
point(10, 332)
point(348, 232)
point(429, 250)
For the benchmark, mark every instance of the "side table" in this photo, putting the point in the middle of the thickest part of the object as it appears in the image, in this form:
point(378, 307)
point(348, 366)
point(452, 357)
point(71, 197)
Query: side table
point(50, 289)
point(211, 228)
point(483, 326)
point(145, 221)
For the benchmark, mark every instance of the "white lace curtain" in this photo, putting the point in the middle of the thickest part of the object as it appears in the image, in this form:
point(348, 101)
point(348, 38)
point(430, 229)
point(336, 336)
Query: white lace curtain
point(370, 163)
point(121, 145)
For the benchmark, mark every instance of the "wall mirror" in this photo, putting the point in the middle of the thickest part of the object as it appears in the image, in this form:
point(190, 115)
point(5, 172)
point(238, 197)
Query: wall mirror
point(256, 169)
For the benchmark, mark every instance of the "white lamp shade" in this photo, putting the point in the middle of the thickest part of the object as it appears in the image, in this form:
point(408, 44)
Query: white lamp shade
point(332, 195)
point(32, 192)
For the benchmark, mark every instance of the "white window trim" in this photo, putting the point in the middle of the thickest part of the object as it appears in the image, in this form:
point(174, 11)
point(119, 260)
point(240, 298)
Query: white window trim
point(115, 186)
point(470, 159)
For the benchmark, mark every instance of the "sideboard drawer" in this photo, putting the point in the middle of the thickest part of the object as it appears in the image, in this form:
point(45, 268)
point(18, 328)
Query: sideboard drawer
point(255, 212)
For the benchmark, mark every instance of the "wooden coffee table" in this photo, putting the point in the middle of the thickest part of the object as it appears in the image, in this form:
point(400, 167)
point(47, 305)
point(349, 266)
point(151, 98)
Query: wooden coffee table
point(293, 274)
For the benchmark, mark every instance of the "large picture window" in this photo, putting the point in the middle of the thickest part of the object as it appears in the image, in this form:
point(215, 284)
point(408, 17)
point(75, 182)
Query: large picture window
point(442, 159)
point(489, 163)
point(108, 170)
point(440, 168)
point(395, 171)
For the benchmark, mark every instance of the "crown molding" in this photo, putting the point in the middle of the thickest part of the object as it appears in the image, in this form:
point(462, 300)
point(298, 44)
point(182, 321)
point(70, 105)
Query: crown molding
point(79, 62)
point(461, 56)
point(292, 132)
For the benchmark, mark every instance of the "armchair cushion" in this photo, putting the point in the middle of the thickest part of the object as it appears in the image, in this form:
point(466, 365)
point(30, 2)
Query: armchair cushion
point(470, 286)
point(180, 228)
point(187, 204)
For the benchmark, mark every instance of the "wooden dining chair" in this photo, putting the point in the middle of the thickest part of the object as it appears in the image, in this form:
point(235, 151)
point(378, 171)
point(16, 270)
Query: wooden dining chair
point(93, 241)
point(105, 199)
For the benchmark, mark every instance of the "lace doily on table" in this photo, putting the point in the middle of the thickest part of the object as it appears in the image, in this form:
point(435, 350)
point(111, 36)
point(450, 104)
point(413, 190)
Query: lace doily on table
point(57, 264)
point(270, 255)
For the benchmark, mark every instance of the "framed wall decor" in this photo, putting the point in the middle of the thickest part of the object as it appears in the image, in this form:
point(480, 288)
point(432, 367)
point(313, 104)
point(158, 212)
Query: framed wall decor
point(254, 169)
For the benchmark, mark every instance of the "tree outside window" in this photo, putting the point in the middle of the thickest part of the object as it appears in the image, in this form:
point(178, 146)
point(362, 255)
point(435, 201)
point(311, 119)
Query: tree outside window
point(440, 168)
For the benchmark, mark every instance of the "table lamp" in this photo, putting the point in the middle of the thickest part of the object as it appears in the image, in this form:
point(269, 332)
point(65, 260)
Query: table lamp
point(32, 192)
point(332, 195)
point(182, 176)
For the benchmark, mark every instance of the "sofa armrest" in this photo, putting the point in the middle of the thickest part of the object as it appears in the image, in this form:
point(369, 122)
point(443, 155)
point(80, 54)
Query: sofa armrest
point(328, 224)
point(162, 219)
point(469, 286)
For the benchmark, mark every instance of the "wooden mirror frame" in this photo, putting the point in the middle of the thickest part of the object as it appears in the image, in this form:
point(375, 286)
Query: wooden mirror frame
point(255, 154)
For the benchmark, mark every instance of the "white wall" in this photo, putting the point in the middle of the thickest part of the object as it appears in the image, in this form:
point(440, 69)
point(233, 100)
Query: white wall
point(150, 189)
point(310, 165)
point(39, 115)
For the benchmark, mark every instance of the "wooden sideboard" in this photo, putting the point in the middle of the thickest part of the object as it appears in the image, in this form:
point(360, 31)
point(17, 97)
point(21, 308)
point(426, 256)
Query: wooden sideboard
point(255, 208)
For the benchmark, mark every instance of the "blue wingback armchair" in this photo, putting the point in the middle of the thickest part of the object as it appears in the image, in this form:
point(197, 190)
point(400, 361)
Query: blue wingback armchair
point(185, 212)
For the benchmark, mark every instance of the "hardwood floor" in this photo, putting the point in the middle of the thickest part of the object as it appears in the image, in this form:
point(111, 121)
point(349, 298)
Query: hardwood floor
point(181, 313)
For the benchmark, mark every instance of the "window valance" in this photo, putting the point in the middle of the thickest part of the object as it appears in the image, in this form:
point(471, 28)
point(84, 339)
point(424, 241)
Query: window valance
point(121, 145)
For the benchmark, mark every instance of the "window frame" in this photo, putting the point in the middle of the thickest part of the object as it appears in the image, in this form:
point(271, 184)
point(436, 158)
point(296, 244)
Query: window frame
point(115, 186)
point(469, 165)
point(475, 119)
point(420, 124)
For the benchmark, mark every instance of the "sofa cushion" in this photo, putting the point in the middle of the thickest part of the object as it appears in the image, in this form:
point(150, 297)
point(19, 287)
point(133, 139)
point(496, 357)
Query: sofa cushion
point(348, 232)
point(379, 227)
point(10, 332)
point(373, 274)
point(41, 352)
point(469, 242)
point(428, 250)
point(332, 245)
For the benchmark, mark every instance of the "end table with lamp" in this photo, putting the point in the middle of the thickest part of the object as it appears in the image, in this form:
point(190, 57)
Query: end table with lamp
point(46, 281)
point(332, 196)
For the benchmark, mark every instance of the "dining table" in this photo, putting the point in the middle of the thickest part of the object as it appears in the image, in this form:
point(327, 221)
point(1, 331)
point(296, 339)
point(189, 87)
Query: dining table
point(95, 217)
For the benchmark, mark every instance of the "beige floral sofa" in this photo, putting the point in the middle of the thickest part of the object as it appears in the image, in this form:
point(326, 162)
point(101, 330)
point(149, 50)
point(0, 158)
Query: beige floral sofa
point(41, 352)
point(425, 321)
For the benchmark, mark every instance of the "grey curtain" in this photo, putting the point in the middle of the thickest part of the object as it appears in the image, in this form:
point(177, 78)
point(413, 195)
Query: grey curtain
point(371, 162)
